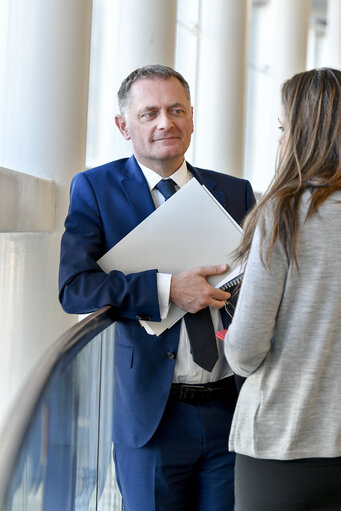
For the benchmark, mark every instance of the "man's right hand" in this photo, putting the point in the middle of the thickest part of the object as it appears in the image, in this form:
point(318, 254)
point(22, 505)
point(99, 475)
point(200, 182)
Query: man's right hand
point(191, 292)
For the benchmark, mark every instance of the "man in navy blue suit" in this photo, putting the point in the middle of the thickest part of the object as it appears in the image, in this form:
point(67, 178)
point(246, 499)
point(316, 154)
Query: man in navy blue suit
point(171, 413)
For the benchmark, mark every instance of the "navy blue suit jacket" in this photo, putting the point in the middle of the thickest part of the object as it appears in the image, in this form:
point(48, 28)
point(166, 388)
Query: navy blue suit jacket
point(106, 203)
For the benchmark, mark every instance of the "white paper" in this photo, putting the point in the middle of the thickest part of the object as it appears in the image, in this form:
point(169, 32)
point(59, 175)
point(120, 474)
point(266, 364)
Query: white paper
point(190, 229)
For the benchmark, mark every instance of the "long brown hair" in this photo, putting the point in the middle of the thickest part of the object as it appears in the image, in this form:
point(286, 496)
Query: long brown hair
point(309, 157)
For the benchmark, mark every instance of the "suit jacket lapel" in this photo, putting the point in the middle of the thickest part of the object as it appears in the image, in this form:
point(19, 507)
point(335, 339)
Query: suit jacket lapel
point(209, 183)
point(136, 189)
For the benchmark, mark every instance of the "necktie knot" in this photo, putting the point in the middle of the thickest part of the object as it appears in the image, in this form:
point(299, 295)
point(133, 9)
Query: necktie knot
point(166, 187)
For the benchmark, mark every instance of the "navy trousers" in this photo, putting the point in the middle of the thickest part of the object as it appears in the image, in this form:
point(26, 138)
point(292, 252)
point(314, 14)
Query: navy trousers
point(186, 466)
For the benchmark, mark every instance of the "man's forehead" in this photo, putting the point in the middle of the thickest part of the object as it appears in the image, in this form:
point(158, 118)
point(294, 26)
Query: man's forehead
point(154, 93)
point(150, 86)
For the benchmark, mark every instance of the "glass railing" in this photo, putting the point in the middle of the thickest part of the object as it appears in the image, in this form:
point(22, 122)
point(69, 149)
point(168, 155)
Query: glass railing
point(56, 449)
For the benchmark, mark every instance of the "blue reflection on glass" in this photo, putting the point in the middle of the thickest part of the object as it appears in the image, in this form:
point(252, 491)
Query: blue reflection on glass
point(66, 462)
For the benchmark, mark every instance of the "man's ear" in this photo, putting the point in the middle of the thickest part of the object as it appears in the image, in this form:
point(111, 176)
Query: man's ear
point(122, 126)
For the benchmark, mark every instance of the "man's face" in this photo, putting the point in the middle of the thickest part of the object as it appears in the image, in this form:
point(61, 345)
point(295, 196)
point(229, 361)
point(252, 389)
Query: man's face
point(159, 121)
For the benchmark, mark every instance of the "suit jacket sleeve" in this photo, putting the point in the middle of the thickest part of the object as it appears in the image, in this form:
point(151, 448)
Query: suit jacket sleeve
point(83, 286)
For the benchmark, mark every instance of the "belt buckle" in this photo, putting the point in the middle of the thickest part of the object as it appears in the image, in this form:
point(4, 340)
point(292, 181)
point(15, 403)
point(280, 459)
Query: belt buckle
point(188, 392)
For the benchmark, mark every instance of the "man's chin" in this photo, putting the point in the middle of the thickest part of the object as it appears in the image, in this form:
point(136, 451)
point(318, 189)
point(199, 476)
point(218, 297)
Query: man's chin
point(170, 151)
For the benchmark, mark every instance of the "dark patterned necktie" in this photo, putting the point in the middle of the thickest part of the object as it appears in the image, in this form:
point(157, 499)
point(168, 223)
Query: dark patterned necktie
point(199, 325)
point(166, 187)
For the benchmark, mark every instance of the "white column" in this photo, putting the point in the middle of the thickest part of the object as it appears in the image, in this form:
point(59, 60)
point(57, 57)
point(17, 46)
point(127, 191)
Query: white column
point(129, 34)
point(290, 37)
point(219, 110)
point(333, 50)
point(290, 33)
point(260, 89)
point(44, 58)
point(186, 50)
point(288, 28)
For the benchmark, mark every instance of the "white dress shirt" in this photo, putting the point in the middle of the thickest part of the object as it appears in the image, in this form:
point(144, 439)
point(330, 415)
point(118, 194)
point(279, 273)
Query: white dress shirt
point(186, 370)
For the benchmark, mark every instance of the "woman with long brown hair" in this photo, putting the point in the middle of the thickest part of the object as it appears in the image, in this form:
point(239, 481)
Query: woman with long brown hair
point(285, 337)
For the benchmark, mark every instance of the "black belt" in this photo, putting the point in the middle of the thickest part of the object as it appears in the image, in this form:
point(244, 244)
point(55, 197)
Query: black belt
point(196, 394)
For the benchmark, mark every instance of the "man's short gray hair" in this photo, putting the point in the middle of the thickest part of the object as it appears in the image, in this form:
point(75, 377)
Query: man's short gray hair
point(150, 71)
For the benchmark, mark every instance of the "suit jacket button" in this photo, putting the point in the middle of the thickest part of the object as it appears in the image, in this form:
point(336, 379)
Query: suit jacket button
point(170, 355)
point(143, 317)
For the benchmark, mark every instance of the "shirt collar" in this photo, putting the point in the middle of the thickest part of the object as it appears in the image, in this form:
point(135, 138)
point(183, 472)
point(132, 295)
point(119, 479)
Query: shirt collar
point(180, 176)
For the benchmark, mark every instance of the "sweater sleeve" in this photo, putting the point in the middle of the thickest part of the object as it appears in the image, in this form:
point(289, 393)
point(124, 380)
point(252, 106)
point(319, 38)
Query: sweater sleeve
point(248, 340)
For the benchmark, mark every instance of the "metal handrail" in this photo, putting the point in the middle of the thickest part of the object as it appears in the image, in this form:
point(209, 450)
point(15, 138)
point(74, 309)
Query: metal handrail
point(22, 411)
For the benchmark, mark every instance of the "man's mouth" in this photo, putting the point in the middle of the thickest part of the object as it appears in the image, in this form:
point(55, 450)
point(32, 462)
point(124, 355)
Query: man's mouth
point(165, 139)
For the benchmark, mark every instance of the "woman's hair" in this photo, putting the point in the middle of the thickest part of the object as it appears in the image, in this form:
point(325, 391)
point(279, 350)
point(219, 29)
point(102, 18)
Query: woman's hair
point(309, 157)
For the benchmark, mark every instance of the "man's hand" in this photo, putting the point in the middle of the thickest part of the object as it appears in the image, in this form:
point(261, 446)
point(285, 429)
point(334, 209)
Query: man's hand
point(191, 292)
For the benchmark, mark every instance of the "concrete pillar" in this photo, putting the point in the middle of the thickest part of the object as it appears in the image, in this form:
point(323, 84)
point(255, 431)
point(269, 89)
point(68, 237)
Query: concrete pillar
point(333, 53)
point(221, 85)
point(44, 55)
point(128, 34)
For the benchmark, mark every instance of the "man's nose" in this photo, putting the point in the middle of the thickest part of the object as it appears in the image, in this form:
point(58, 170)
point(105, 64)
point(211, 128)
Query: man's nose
point(165, 121)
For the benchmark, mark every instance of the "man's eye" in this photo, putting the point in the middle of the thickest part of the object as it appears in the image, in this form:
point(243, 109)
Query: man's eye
point(177, 111)
point(281, 128)
point(148, 115)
